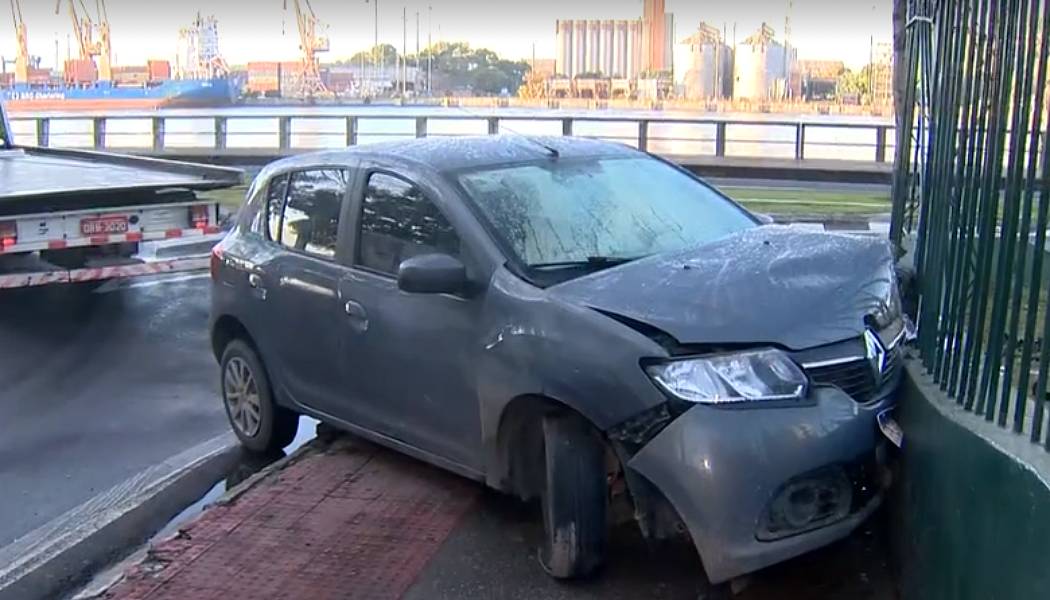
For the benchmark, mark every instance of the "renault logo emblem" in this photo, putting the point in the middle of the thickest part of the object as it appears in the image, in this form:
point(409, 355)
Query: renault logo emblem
point(875, 353)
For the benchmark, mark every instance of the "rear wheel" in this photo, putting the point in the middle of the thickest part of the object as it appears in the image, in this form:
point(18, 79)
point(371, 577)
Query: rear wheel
point(574, 499)
point(259, 423)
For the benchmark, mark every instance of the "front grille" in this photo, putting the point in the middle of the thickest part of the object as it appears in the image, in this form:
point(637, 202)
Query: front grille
point(856, 378)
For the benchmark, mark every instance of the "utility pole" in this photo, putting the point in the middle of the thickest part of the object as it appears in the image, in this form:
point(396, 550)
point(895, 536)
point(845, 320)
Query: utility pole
point(404, 48)
point(430, 48)
point(375, 44)
point(415, 79)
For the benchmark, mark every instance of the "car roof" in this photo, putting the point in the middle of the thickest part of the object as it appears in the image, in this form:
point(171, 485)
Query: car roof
point(454, 153)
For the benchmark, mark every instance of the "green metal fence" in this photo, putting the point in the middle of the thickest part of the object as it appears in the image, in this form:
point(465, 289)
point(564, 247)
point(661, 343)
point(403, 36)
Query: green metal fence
point(971, 201)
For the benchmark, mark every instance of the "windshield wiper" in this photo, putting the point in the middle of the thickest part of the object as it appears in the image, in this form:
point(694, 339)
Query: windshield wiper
point(591, 262)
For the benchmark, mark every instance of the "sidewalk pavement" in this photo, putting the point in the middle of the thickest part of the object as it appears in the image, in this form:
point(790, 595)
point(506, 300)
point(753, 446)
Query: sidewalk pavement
point(346, 519)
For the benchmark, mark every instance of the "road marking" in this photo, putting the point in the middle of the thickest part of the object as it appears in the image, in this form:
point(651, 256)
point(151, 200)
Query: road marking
point(117, 285)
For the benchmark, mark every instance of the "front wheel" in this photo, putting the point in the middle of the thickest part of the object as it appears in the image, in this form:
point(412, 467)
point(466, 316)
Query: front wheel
point(574, 499)
point(259, 423)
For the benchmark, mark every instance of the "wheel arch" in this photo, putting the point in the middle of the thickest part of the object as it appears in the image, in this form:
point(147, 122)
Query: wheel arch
point(226, 329)
point(516, 464)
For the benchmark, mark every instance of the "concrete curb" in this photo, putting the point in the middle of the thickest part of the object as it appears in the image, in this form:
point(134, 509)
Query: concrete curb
point(53, 558)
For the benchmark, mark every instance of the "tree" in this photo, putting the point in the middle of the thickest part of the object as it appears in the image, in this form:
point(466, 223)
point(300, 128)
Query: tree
point(386, 53)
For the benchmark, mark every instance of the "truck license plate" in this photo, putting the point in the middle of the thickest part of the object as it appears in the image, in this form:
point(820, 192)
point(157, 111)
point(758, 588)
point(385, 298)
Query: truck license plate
point(103, 225)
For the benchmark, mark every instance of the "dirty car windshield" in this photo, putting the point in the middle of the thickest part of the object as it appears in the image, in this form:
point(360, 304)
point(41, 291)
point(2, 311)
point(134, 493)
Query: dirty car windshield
point(593, 211)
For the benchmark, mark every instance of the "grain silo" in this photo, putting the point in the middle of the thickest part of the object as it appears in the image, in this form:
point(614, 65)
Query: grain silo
point(608, 47)
point(579, 48)
point(564, 65)
point(759, 66)
point(620, 47)
point(710, 64)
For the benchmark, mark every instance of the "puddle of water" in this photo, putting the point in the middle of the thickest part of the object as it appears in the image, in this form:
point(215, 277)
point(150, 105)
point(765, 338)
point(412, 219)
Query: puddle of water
point(246, 466)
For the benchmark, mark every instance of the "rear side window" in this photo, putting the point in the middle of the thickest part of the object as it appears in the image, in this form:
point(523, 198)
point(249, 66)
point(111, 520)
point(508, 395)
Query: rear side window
point(397, 222)
point(310, 221)
point(275, 195)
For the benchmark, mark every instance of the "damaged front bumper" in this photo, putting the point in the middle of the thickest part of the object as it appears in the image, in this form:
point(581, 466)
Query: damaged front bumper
point(756, 486)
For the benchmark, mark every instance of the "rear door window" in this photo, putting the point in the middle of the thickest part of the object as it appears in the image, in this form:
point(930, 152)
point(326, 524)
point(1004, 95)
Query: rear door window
point(310, 221)
point(275, 195)
point(398, 222)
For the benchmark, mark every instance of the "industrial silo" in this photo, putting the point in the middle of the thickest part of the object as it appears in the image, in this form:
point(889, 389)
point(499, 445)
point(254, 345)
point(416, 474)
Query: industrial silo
point(620, 50)
point(635, 49)
point(594, 46)
point(758, 66)
point(579, 47)
point(564, 41)
point(709, 65)
point(608, 37)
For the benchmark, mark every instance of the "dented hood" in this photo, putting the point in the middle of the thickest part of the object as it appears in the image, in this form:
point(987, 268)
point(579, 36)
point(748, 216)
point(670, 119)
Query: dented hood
point(766, 285)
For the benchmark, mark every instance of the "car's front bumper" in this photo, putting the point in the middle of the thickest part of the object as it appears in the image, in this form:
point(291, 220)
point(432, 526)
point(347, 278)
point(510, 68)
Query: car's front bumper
point(721, 469)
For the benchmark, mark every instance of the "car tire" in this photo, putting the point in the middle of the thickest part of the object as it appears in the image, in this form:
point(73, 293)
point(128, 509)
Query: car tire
point(574, 500)
point(259, 423)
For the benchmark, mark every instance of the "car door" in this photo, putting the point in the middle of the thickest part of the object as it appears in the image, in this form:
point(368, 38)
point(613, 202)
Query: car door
point(302, 288)
point(408, 355)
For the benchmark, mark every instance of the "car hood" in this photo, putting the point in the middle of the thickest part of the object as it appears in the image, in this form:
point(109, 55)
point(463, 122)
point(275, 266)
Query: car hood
point(765, 285)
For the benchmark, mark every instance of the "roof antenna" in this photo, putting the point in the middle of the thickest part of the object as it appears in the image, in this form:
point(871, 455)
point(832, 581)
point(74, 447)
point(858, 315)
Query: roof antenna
point(550, 149)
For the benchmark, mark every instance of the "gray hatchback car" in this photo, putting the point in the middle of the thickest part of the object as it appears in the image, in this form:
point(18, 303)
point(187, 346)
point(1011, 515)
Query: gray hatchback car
point(574, 322)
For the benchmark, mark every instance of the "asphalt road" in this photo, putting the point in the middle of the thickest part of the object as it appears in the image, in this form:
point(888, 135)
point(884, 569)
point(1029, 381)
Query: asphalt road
point(97, 387)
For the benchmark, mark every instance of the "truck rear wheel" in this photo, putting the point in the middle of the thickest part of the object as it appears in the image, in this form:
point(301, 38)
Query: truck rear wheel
point(574, 499)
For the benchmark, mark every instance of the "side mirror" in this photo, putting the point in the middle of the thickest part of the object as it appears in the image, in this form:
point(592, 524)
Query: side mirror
point(765, 219)
point(432, 274)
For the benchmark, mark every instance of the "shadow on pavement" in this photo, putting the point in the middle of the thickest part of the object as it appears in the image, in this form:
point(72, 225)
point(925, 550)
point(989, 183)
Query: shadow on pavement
point(492, 555)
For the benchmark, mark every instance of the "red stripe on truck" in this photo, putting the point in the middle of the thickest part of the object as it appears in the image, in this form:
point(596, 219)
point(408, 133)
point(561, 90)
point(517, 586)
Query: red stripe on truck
point(134, 237)
point(173, 233)
point(99, 239)
point(56, 244)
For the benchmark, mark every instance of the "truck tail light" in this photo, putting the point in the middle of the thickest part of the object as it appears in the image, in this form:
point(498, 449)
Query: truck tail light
point(8, 234)
point(199, 216)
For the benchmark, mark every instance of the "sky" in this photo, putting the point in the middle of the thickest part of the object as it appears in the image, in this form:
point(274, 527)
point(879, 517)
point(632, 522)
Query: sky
point(263, 30)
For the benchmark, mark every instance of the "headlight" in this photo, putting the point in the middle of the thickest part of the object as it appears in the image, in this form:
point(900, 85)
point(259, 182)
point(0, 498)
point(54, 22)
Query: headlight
point(759, 375)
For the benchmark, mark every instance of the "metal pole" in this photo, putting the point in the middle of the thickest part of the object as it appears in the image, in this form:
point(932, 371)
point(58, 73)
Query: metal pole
point(415, 79)
point(430, 48)
point(404, 49)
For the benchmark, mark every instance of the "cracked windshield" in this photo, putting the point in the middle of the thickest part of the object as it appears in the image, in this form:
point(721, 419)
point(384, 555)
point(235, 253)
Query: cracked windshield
point(453, 299)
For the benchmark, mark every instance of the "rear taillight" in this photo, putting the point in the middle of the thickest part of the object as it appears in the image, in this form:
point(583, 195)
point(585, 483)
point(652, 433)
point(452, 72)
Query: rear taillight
point(199, 216)
point(8, 234)
point(216, 261)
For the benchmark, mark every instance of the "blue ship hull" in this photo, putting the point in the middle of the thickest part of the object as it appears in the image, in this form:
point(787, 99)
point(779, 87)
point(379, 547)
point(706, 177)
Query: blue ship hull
point(174, 93)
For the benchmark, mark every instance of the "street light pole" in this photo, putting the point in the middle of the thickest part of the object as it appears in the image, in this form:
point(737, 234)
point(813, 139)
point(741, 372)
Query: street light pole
point(430, 47)
point(375, 45)
point(404, 49)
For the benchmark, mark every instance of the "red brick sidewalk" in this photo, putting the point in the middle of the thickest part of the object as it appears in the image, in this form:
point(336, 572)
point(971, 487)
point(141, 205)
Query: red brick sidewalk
point(351, 521)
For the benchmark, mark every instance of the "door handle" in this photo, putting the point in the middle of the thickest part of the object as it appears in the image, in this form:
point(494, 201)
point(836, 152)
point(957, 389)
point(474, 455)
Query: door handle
point(358, 316)
point(354, 309)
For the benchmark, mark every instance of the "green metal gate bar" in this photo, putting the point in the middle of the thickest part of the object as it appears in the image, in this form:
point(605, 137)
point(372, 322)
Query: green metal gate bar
point(972, 164)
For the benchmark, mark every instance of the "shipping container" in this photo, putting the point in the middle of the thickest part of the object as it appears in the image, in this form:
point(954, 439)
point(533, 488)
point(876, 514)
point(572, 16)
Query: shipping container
point(264, 68)
point(159, 70)
point(80, 71)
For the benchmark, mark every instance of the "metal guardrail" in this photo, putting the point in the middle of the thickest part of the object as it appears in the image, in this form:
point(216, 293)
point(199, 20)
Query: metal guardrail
point(289, 132)
point(969, 191)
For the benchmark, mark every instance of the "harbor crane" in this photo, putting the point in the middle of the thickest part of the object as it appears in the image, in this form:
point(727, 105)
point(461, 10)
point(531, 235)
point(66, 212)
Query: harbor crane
point(309, 84)
point(22, 56)
point(84, 29)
